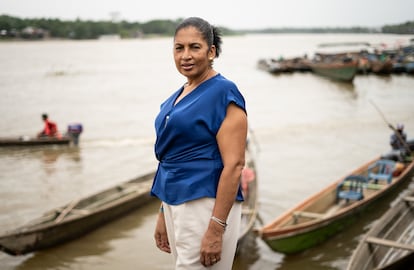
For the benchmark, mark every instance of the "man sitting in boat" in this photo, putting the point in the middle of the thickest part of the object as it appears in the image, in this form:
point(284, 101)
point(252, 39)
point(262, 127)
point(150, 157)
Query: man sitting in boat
point(398, 142)
point(50, 129)
point(398, 138)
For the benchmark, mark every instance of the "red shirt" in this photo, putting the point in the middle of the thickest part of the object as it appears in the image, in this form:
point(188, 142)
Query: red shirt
point(50, 129)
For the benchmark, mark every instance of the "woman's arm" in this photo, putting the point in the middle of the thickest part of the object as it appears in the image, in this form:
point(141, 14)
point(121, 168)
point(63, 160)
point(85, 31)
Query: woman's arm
point(231, 140)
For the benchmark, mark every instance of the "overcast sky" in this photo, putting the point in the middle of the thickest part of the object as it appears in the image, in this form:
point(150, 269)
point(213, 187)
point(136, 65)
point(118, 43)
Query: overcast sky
point(237, 14)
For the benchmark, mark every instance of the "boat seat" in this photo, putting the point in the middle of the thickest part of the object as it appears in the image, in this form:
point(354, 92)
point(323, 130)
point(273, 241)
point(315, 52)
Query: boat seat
point(351, 188)
point(381, 170)
point(313, 215)
point(389, 243)
point(409, 199)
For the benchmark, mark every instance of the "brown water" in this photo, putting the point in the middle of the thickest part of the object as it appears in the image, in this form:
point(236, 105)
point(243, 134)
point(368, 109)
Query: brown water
point(309, 132)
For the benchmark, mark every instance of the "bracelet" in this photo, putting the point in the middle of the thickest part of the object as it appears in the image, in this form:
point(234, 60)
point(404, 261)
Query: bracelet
point(219, 221)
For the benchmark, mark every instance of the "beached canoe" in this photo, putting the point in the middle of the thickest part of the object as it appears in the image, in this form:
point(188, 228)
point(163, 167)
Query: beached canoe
point(332, 209)
point(78, 217)
point(389, 244)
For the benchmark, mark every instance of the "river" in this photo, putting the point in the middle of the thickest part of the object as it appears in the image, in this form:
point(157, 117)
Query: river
point(308, 132)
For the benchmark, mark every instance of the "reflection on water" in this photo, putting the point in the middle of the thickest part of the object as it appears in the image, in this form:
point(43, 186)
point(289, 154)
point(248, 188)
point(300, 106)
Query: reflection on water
point(248, 253)
point(47, 155)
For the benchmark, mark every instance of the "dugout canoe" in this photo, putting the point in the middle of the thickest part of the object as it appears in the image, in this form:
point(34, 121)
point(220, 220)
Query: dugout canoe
point(389, 244)
point(78, 217)
point(324, 214)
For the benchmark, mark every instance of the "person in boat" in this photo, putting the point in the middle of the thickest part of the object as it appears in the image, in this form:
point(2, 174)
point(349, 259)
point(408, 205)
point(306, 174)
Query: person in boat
point(50, 128)
point(201, 133)
point(398, 139)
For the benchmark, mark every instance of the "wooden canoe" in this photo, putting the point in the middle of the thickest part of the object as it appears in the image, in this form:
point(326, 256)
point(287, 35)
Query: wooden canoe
point(337, 70)
point(389, 244)
point(322, 215)
point(249, 184)
point(78, 217)
point(33, 141)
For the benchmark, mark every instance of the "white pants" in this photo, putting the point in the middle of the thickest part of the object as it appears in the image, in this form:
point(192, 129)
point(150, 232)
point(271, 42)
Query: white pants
point(186, 224)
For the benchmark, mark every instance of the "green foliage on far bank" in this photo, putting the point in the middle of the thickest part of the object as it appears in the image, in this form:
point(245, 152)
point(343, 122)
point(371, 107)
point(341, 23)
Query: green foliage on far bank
point(405, 28)
point(38, 28)
point(78, 29)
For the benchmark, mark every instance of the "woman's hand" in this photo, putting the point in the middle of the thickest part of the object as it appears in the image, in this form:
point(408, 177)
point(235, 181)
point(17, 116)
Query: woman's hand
point(160, 235)
point(211, 245)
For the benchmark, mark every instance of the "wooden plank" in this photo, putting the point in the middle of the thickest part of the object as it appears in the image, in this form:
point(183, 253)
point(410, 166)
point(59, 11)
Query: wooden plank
point(297, 214)
point(66, 211)
point(247, 211)
point(389, 243)
point(409, 199)
point(375, 186)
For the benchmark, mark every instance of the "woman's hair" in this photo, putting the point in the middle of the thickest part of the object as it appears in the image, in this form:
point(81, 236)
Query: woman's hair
point(210, 33)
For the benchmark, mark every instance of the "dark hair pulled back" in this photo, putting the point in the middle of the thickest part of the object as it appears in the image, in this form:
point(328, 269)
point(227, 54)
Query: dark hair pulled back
point(210, 33)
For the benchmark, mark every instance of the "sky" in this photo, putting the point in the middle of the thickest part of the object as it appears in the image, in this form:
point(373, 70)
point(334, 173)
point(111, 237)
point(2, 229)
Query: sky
point(237, 14)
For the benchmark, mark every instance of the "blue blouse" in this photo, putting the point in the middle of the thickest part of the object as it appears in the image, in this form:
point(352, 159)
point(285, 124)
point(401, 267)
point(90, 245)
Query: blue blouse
point(190, 164)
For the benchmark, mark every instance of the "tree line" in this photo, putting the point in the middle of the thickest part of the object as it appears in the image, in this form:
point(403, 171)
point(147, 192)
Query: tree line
point(39, 28)
point(14, 27)
point(404, 28)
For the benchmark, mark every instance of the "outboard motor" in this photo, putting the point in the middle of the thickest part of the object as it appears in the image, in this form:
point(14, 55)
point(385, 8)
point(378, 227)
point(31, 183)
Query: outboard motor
point(74, 131)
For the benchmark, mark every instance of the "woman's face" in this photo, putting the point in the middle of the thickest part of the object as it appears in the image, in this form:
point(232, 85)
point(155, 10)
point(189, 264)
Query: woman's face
point(192, 55)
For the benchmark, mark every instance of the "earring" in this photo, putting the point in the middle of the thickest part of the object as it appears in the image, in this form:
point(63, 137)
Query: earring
point(211, 58)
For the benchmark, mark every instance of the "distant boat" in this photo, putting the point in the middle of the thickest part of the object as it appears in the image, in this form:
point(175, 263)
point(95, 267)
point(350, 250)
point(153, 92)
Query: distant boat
point(284, 65)
point(33, 141)
point(409, 67)
point(389, 244)
point(381, 66)
point(336, 206)
point(340, 60)
point(336, 70)
point(71, 136)
point(271, 65)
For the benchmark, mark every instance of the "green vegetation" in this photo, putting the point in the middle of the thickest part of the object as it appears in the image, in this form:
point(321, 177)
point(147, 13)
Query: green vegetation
point(13, 27)
point(405, 28)
point(55, 28)
point(319, 30)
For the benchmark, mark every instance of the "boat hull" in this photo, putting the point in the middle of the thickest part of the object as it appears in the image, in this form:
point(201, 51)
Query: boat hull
point(336, 71)
point(397, 226)
point(23, 141)
point(284, 235)
point(48, 232)
point(310, 237)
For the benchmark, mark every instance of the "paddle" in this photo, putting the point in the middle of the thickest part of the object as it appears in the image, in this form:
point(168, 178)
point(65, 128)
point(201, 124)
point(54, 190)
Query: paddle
point(399, 137)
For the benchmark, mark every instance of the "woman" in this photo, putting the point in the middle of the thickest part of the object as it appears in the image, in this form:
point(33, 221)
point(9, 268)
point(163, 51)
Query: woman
point(201, 137)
